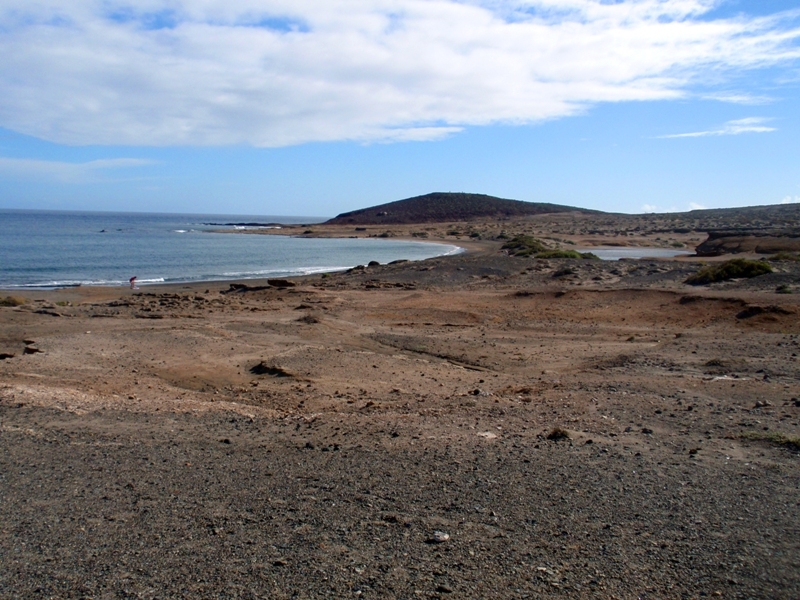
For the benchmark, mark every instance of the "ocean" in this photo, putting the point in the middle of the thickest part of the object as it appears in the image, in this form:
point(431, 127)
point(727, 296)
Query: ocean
point(52, 249)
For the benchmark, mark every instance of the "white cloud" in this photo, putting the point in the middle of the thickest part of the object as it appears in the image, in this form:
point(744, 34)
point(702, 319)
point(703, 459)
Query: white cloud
point(746, 99)
point(737, 127)
point(282, 72)
point(790, 200)
point(652, 208)
point(65, 172)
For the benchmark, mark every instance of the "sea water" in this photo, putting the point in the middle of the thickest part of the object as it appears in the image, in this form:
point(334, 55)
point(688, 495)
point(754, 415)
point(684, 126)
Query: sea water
point(50, 249)
point(633, 252)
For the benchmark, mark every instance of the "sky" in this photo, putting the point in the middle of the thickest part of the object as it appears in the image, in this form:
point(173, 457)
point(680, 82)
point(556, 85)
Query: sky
point(317, 107)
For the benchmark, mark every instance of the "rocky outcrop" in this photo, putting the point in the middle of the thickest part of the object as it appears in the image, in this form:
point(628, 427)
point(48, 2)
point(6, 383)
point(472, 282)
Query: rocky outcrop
point(737, 241)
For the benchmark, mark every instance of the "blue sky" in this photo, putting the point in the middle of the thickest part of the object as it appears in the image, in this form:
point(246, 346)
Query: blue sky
point(313, 108)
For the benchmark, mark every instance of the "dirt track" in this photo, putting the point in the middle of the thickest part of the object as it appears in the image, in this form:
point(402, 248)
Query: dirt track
point(309, 442)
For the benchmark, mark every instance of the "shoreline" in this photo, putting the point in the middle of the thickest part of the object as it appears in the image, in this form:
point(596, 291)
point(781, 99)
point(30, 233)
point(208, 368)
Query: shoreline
point(261, 279)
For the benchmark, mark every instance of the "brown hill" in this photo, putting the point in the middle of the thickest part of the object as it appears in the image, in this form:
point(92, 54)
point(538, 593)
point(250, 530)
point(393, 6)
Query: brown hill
point(445, 207)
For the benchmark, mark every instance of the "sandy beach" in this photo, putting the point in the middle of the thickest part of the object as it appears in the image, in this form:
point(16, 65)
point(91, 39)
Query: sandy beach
point(470, 426)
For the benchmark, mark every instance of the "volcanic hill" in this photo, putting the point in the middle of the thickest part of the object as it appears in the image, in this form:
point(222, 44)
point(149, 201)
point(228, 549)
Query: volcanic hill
point(444, 207)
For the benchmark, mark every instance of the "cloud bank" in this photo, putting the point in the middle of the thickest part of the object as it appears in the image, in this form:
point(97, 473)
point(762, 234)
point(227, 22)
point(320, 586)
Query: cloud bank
point(66, 172)
point(283, 72)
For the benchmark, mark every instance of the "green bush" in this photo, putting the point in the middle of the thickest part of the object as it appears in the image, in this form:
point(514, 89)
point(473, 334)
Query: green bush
point(524, 245)
point(738, 268)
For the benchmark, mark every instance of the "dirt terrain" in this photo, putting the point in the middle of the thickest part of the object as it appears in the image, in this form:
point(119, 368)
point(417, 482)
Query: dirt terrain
point(472, 426)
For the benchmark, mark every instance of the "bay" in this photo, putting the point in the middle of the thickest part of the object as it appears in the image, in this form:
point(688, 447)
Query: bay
point(50, 249)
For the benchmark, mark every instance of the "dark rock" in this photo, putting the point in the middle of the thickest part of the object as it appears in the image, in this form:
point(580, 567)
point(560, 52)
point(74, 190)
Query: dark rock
point(264, 369)
point(281, 283)
point(241, 287)
point(752, 311)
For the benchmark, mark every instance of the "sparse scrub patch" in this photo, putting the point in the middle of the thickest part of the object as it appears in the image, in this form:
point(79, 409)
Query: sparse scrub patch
point(13, 301)
point(524, 245)
point(773, 437)
point(558, 434)
point(564, 272)
point(738, 268)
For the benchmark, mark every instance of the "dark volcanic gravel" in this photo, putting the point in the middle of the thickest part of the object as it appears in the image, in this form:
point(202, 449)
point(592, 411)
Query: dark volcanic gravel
point(124, 505)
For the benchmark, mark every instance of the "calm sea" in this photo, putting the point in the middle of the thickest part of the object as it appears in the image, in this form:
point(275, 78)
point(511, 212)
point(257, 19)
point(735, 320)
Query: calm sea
point(48, 249)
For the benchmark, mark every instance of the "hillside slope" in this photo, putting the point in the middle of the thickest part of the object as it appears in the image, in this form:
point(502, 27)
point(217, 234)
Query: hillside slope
point(443, 207)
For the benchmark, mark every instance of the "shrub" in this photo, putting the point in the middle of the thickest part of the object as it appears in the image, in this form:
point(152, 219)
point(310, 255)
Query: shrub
point(12, 301)
point(524, 245)
point(738, 268)
point(558, 434)
point(778, 439)
point(564, 272)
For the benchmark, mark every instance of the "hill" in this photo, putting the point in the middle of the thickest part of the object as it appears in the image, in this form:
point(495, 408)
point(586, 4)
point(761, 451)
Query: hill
point(444, 207)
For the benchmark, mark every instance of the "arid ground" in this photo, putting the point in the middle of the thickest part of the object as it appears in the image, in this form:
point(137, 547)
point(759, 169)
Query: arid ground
point(473, 426)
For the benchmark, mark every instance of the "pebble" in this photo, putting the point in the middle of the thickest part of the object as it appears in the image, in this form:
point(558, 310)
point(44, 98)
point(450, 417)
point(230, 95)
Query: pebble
point(439, 537)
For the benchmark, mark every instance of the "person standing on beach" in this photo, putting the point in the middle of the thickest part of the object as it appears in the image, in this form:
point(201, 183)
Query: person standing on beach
point(132, 281)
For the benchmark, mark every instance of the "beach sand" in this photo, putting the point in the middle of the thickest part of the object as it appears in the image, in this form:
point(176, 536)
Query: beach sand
point(472, 426)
